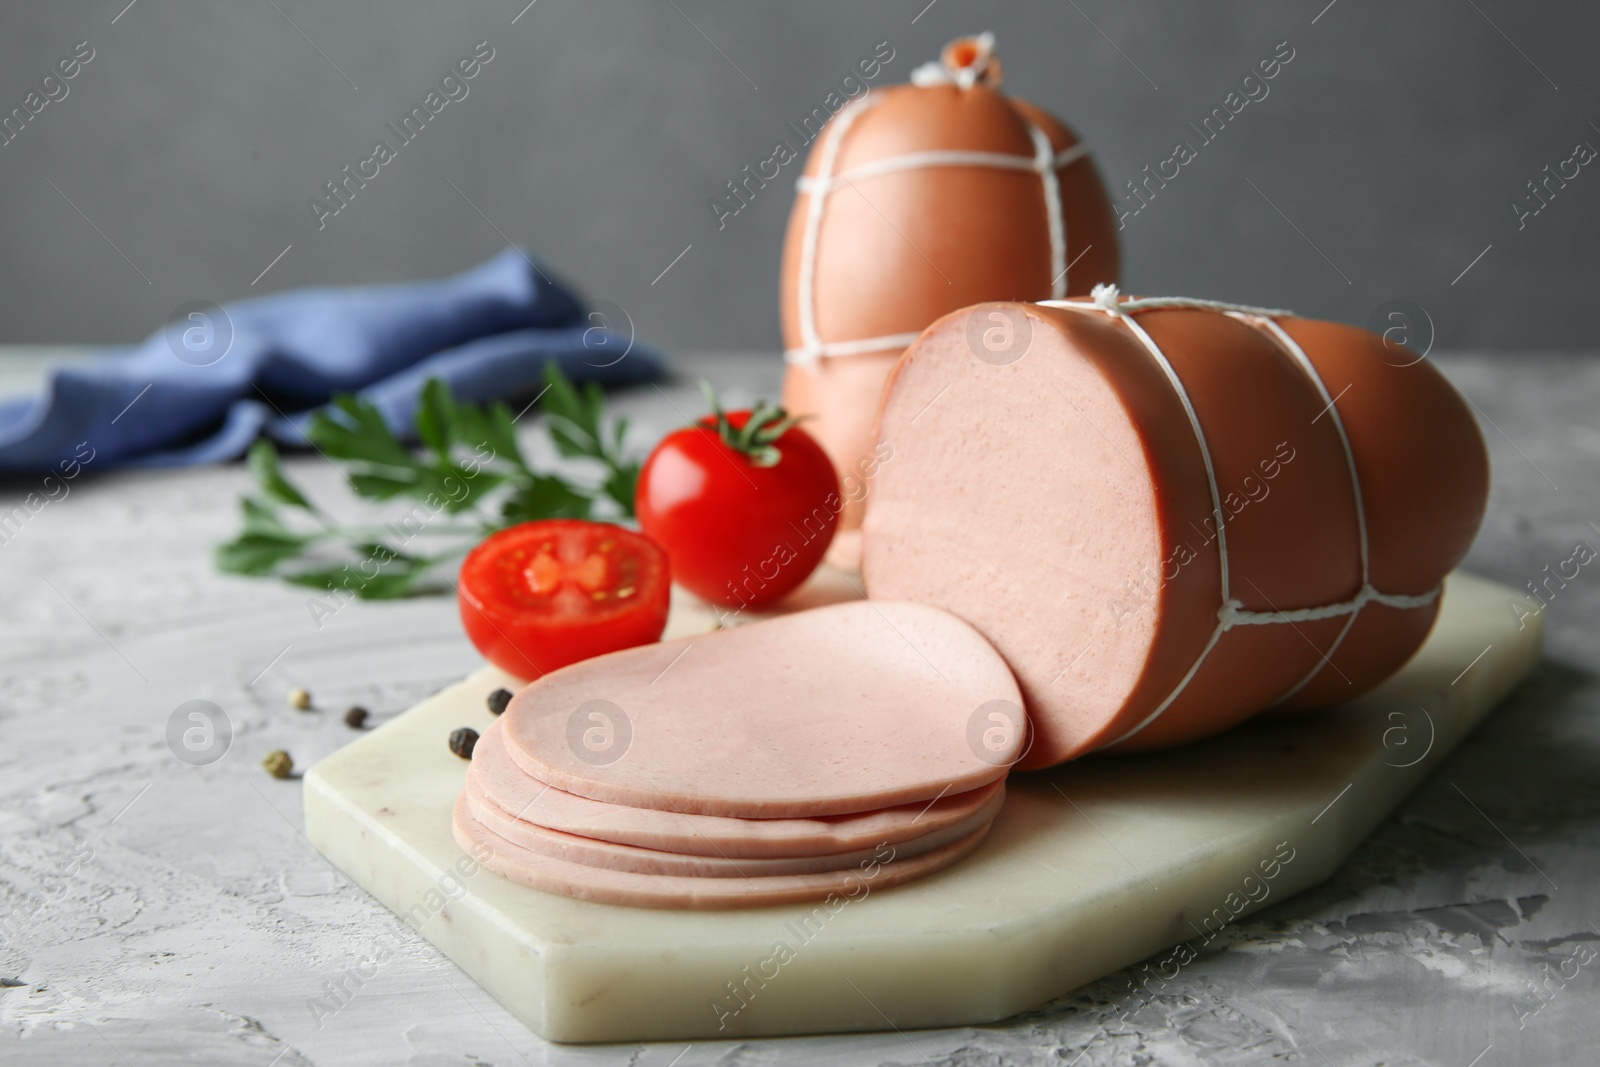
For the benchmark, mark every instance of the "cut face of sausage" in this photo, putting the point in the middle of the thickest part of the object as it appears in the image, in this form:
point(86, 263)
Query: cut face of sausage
point(607, 886)
point(847, 708)
point(496, 778)
point(1027, 498)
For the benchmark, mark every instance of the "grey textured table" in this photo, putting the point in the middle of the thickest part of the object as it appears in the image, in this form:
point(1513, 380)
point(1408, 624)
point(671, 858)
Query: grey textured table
point(153, 912)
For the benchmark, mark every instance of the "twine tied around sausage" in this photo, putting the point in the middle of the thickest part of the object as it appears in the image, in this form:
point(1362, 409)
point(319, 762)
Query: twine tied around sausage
point(965, 62)
point(1232, 612)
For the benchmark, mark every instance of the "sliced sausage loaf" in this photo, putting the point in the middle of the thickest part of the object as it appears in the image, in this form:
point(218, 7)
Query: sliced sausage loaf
point(1169, 515)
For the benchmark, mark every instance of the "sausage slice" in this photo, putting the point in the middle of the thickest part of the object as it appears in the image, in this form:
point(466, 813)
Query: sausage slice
point(846, 708)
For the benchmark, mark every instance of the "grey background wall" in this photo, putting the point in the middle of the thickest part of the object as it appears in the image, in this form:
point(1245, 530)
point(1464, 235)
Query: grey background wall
point(1385, 161)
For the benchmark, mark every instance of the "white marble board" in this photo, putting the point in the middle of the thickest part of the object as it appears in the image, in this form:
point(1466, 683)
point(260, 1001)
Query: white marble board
point(1091, 867)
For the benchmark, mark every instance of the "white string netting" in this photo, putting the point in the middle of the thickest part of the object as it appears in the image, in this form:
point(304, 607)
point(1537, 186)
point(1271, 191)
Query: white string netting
point(1108, 300)
point(1045, 162)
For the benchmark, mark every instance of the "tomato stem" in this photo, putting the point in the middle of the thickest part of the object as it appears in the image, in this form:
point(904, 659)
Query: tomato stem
point(755, 439)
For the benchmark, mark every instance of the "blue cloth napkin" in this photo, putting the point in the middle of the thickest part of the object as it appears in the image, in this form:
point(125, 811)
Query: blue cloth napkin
point(202, 389)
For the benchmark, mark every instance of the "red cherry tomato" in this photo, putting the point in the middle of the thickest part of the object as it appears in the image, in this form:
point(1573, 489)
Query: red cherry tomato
point(745, 514)
point(541, 595)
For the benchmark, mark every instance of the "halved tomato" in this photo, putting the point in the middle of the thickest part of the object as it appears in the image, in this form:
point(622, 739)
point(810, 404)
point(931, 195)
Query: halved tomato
point(541, 595)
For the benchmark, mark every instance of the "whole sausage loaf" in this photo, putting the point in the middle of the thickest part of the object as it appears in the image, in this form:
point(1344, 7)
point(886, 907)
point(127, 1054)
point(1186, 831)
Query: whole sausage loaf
point(915, 201)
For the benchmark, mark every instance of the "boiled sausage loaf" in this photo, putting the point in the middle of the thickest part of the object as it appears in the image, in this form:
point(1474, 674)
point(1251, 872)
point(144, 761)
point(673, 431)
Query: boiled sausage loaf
point(918, 200)
point(1169, 515)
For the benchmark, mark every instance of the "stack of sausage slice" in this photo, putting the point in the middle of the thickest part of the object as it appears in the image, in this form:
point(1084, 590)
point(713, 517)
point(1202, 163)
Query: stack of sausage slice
point(827, 753)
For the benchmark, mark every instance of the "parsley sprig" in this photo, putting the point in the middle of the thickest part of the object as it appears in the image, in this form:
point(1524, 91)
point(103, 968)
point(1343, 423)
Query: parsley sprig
point(469, 479)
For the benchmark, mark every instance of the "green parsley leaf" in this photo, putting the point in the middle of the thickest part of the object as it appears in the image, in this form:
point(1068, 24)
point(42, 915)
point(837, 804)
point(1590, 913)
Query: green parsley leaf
point(263, 460)
point(545, 497)
point(437, 417)
point(576, 421)
point(354, 430)
point(573, 417)
point(257, 554)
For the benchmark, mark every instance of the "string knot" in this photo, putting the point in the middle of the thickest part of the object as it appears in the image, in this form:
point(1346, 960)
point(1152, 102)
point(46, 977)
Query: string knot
point(1232, 608)
point(965, 62)
point(1107, 298)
